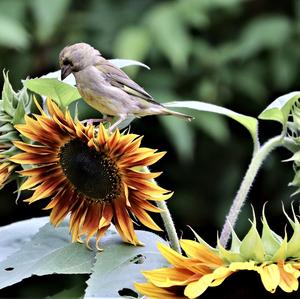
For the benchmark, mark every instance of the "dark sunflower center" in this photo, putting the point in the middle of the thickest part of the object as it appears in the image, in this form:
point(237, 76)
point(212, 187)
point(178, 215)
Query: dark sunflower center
point(92, 173)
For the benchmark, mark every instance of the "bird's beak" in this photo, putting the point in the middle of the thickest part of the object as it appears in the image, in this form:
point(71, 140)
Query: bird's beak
point(65, 71)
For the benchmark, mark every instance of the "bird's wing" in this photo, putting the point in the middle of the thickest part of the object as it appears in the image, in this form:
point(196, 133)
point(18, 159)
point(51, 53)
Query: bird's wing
point(116, 77)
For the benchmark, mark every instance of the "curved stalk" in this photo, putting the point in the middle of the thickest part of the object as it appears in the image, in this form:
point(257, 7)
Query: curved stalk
point(169, 226)
point(168, 222)
point(258, 157)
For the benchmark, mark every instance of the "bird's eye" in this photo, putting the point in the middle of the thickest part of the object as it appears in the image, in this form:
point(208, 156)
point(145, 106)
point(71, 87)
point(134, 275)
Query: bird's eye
point(67, 62)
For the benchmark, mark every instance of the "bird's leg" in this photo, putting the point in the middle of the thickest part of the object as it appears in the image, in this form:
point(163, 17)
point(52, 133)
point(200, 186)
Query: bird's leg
point(94, 120)
point(121, 118)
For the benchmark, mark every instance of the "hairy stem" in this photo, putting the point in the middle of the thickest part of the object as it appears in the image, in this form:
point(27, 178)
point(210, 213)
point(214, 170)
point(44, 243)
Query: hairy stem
point(169, 225)
point(168, 222)
point(258, 157)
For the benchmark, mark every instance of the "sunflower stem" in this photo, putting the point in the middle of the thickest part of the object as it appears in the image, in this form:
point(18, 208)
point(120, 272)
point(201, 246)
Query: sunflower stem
point(257, 159)
point(169, 225)
point(168, 221)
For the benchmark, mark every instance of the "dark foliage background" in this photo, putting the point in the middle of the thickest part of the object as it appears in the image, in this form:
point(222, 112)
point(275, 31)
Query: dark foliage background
point(236, 53)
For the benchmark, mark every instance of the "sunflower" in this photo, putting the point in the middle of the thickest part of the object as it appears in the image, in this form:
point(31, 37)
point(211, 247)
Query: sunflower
point(13, 108)
point(6, 167)
point(275, 259)
point(6, 170)
point(96, 177)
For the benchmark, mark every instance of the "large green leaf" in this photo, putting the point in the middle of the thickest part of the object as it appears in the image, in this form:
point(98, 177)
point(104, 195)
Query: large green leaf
point(279, 109)
point(119, 265)
point(26, 252)
point(14, 235)
point(247, 121)
point(49, 251)
point(62, 93)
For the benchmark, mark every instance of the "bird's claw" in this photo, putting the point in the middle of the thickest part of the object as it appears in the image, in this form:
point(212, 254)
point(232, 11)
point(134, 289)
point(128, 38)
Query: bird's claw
point(91, 121)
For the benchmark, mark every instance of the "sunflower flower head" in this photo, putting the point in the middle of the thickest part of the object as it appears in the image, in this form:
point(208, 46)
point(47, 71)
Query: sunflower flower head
point(95, 176)
point(13, 108)
point(276, 259)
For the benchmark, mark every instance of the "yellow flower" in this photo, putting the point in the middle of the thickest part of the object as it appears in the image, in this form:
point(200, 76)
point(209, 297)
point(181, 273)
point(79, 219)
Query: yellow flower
point(6, 169)
point(189, 276)
point(275, 259)
point(95, 176)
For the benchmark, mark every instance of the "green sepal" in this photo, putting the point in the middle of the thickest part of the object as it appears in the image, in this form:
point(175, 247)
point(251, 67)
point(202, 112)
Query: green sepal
point(10, 152)
point(6, 128)
point(201, 241)
point(293, 245)
point(228, 255)
point(280, 254)
point(235, 242)
point(252, 246)
point(296, 183)
point(9, 96)
point(271, 241)
point(10, 136)
point(4, 117)
point(295, 158)
point(19, 114)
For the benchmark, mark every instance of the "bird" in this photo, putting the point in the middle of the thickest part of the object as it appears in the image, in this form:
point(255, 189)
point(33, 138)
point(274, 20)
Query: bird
point(106, 88)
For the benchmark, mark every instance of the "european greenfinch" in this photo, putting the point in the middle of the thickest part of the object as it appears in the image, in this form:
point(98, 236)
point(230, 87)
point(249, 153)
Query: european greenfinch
point(107, 88)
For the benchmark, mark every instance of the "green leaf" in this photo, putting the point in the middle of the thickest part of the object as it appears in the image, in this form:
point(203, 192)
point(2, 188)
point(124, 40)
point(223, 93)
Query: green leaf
point(279, 109)
point(12, 33)
point(49, 251)
point(62, 93)
point(48, 14)
point(249, 122)
point(120, 264)
point(14, 235)
point(121, 63)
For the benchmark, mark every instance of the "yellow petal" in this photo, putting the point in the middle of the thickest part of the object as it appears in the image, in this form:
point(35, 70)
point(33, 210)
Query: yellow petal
point(201, 252)
point(270, 277)
point(168, 277)
point(172, 256)
point(288, 277)
point(195, 289)
point(235, 266)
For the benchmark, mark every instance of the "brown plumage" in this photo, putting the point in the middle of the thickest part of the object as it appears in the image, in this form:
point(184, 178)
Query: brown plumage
point(107, 88)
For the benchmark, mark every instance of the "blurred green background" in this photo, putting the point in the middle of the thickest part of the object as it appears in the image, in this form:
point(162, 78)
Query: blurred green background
point(236, 53)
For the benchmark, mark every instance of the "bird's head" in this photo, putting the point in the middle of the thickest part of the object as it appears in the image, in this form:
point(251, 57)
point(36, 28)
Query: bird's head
point(76, 57)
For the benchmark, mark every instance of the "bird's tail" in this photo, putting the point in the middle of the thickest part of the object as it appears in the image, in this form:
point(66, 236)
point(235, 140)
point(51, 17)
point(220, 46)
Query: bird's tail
point(178, 114)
